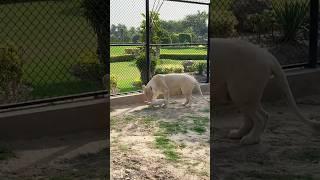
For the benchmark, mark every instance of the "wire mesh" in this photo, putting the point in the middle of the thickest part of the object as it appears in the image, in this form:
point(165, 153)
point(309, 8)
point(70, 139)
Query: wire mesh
point(281, 26)
point(50, 49)
point(178, 41)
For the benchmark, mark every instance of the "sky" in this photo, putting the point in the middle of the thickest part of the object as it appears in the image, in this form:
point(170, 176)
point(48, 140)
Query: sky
point(128, 12)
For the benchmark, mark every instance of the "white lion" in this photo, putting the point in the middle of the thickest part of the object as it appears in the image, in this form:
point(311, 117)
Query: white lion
point(166, 84)
point(241, 71)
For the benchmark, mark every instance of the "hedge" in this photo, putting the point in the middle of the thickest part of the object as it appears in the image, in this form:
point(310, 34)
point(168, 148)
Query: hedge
point(122, 58)
point(183, 56)
point(128, 57)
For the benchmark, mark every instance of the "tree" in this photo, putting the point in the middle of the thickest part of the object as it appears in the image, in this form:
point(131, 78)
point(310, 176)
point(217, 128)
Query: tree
point(156, 31)
point(120, 33)
point(95, 11)
point(172, 26)
point(155, 28)
point(197, 22)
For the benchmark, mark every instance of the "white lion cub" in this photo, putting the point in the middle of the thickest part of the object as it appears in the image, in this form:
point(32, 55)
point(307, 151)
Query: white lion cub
point(167, 84)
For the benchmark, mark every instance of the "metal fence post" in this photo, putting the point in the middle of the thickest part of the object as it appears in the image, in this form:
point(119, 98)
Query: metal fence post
point(148, 39)
point(313, 40)
point(208, 46)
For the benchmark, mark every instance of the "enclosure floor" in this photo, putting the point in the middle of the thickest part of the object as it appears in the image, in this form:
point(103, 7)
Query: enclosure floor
point(289, 149)
point(66, 156)
point(134, 154)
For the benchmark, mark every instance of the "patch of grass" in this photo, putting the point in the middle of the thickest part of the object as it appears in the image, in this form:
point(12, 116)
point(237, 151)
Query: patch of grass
point(148, 120)
point(168, 148)
point(199, 123)
point(129, 118)
point(173, 127)
point(199, 129)
point(6, 154)
point(113, 121)
point(123, 147)
point(171, 155)
point(206, 110)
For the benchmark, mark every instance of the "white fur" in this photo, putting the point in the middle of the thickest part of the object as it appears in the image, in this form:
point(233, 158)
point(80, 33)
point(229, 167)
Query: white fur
point(241, 71)
point(158, 102)
point(166, 84)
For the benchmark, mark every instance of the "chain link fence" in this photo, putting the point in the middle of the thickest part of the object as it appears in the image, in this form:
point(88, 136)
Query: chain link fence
point(178, 32)
point(281, 26)
point(51, 49)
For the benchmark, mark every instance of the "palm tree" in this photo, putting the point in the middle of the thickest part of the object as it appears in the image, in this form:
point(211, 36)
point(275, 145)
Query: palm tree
point(96, 13)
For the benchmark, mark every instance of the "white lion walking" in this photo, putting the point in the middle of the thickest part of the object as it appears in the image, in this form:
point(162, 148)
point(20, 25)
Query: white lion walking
point(241, 71)
point(164, 84)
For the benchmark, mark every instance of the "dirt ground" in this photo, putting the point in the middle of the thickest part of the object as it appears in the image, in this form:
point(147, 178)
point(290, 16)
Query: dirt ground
point(77, 156)
point(161, 143)
point(289, 150)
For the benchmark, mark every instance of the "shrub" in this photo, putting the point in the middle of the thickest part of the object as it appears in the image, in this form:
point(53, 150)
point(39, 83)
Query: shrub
point(122, 58)
point(141, 63)
point(175, 38)
point(136, 38)
point(166, 40)
point(89, 68)
point(188, 66)
point(223, 24)
point(291, 17)
point(200, 67)
point(183, 56)
point(169, 69)
point(185, 38)
point(11, 69)
point(262, 22)
point(137, 83)
point(131, 51)
point(242, 9)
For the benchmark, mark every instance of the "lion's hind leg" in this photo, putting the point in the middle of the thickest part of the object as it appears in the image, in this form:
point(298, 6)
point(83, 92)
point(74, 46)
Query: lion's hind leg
point(253, 137)
point(243, 130)
point(187, 93)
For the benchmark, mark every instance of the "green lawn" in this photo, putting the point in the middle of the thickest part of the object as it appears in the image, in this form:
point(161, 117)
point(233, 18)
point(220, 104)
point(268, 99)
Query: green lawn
point(119, 50)
point(52, 35)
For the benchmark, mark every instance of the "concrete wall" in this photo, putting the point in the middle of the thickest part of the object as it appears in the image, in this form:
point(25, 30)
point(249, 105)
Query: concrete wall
point(138, 98)
point(303, 82)
point(55, 120)
point(93, 115)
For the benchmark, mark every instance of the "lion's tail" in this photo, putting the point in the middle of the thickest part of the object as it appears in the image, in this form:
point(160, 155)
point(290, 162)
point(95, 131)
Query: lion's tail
point(197, 85)
point(283, 82)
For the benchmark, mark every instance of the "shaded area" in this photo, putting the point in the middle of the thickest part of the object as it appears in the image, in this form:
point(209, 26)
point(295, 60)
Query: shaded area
point(73, 156)
point(289, 149)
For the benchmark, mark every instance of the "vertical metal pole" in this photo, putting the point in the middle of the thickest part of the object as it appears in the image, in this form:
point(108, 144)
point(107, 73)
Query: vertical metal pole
point(148, 40)
point(313, 40)
point(212, 94)
point(208, 48)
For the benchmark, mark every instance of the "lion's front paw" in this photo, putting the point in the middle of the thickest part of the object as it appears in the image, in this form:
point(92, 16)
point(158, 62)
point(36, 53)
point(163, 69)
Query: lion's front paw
point(247, 140)
point(235, 134)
